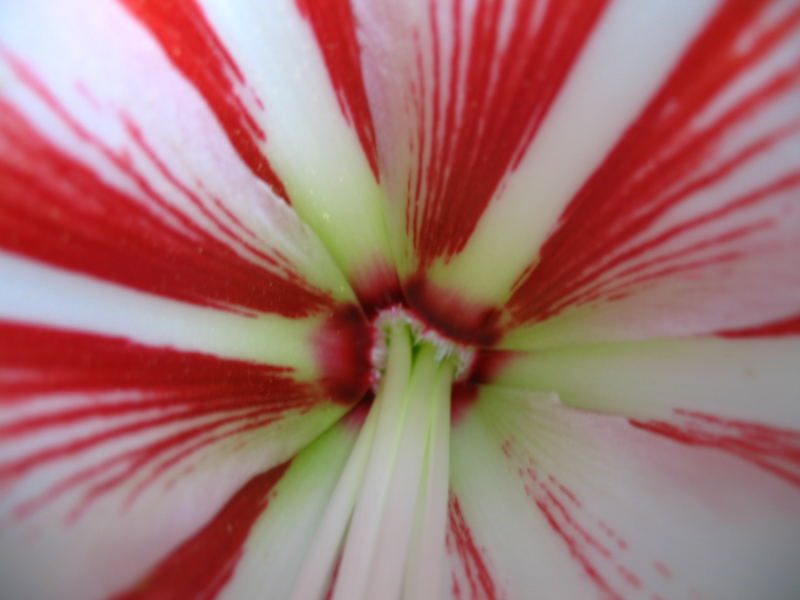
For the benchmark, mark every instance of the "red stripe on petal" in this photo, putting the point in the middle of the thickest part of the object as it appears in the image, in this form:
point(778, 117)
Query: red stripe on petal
point(597, 549)
point(335, 29)
point(201, 566)
point(790, 326)
point(58, 210)
point(665, 157)
point(493, 108)
point(772, 449)
point(469, 556)
point(145, 409)
point(185, 35)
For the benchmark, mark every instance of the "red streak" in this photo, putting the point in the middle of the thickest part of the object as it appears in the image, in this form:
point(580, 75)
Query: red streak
point(57, 210)
point(582, 533)
point(575, 550)
point(662, 569)
point(660, 162)
point(193, 47)
point(784, 327)
point(773, 449)
point(460, 541)
point(163, 388)
point(335, 29)
point(491, 111)
point(201, 566)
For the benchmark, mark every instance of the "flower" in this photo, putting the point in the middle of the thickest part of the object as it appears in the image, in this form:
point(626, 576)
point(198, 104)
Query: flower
point(374, 299)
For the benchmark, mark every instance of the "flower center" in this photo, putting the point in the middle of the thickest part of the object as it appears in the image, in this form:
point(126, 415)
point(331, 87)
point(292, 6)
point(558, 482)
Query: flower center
point(385, 523)
point(461, 356)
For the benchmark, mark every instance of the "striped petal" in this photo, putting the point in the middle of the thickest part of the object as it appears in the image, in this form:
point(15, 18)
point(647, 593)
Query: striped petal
point(284, 80)
point(254, 546)
point(688, 225)
point(555, 156)
point(594, 507)
point(170, 328)
point(735, 395)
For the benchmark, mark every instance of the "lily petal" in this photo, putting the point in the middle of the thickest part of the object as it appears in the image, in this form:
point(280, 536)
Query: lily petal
point(739, 396)
point(479, 156)
point(257, 543)
point(596, 507)
point(284, 79)
point(161, 346)
point(689, 225)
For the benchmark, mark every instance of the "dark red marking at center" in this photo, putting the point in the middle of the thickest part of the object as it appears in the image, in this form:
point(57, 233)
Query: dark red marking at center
point(342, 347)
point(201, 566)
point(450, 314)
point(463, 396)
point(377, 287)
point(488, 364)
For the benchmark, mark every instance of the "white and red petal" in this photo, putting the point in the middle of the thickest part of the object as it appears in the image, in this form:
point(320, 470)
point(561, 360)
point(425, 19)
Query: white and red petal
point(284, 80)
point(117, 168)
point(497, 178)
point(736, 395)
point(689, 224)
point(113, 452)
point(595, 507)
point(255, 545)
point(487, 129)
point(170, 326)
point(254, 541)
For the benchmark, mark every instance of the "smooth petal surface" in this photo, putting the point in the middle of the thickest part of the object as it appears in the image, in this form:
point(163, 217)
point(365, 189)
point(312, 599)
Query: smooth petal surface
point(594, 507)
point(169, 327)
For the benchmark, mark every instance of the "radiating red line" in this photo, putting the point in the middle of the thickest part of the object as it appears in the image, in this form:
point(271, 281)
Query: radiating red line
point(335, 30)
point(492, 111)
point(658, 163)
point(460, 541)
point(568, 517)
point(187, 38)
point(780, 328)
point(199, 398)
point(201, 566)
point(55, 209)
point(773, 449)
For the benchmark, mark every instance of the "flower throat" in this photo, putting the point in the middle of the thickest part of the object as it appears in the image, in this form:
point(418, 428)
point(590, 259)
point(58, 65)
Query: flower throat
point(383, 532)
